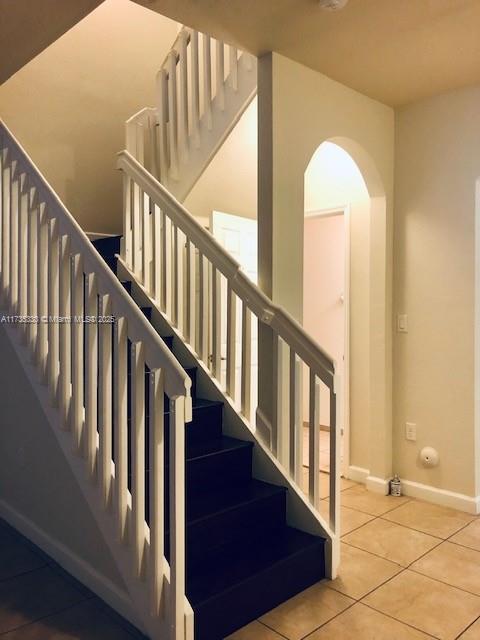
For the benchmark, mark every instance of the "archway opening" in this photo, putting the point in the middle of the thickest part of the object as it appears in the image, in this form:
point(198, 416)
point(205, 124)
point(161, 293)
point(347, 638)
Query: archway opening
point(336, 286)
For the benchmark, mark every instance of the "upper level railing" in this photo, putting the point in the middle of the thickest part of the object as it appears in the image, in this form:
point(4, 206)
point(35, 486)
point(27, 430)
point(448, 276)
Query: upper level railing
point(64, 295)
point(202, 88)
point(216, 309)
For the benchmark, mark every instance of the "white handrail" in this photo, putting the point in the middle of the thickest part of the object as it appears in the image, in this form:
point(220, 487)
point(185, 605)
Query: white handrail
point(51, 272)
point(269, 313)
point(200, 288)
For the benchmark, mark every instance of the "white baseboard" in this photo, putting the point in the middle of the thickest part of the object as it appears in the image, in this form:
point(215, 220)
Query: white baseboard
point(459, 501)
point(357, 474)
point(103, 587)
point(378, 485)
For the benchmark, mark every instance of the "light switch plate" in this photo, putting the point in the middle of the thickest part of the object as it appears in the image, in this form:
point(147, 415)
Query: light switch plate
point(411, 431)
point(402, 323)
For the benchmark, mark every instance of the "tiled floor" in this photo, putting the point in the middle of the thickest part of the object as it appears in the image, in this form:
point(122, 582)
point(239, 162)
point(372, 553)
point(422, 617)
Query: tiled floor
point(409, 571)
point(40, 601)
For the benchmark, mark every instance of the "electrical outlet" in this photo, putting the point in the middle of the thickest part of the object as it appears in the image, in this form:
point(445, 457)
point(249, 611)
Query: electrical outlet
point(411, 431)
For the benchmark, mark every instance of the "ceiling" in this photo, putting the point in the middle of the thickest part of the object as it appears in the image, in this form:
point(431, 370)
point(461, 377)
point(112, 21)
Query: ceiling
point(397, 51)
point(29, 26)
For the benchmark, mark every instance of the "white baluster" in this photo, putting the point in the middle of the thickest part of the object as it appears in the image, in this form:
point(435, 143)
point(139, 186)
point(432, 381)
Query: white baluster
point(42, 273)
point(220, 73)
point(23, 255)
point(65, 331)
point(157, 255)
point(278, 441)
point(172, 113)
point(231, 343)
point(177, 515)
point(183, 97)
point(13, 253)
point(53, 292)
point(105, 399)
point(167, 295)
point(216, 323)
point(32, 271)
point(120, 424)
point(296, 421)
point(146, 239)
point(246, 361)
point(233, 68)
point(6, 187)
point(138, 453)
point(190, 293)
point(127, 221)
point(207, 81)
point(77, 350)
point(157, 468)
point(91, 373)
point(314, 441)
point(202, 348)
point(195, 88)
point(162, 99)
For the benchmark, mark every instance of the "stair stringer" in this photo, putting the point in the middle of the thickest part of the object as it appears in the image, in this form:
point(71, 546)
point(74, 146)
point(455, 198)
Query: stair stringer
point(300, 514)
point(139, 612)
point(210, 138)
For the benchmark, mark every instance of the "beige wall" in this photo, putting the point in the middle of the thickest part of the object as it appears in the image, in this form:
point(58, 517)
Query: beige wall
point(437, 164)
point(306, 109)
point(68, 105)
point(229, 183)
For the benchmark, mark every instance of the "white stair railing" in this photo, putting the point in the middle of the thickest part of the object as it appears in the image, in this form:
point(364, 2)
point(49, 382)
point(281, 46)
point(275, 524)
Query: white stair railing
point(206, 296)
point(60, 296)
point(203, 88)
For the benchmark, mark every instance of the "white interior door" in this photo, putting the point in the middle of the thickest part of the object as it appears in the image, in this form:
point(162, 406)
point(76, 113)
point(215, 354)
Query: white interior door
point(239, 237)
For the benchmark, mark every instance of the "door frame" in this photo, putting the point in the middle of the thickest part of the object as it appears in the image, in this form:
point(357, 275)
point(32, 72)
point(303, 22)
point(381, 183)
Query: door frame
point(342, 210)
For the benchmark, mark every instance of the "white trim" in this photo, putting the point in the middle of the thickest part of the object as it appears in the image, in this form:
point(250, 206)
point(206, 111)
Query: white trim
point(459, 501)
point(71, 562)
point(93, 235)
point(476, 382)
point(327, 212)
point(357, 474)
point(378, 485)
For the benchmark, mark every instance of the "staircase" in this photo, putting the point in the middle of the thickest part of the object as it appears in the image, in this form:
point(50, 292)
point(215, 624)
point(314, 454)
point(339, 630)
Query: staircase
point(203, 88)
point(198, 499)
point(242, 558)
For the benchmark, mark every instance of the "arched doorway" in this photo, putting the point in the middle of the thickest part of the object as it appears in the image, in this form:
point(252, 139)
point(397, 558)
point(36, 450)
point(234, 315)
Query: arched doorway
point(344, 296)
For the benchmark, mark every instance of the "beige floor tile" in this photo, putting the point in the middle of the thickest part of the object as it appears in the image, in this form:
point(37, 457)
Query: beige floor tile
point(369, 502)
point(361, 572)
point(430, 518)
point(469, 536)
point(362, 623)
point(435, 608)
point(16, 558)
point(306, 612)
point(349, 518)
point(32, 596)
point(472, 633)
point(455, 565)
point(82, 622)
point(392, 541)
point(255, 631)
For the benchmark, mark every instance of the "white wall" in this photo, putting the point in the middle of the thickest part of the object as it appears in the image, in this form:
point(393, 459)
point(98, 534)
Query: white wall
point(68, 106)
point(437, 164)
